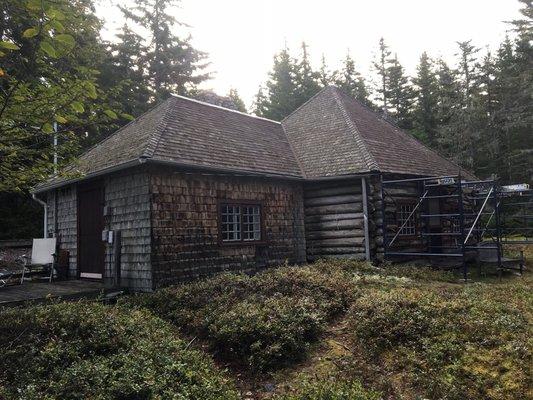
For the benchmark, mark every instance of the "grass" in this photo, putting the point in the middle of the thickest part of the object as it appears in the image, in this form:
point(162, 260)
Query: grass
point(333, 330)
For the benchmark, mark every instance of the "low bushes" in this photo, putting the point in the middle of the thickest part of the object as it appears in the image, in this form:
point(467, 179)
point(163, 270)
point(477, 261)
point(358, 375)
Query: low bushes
point(331, 390)
point(266, 321)
point(88, 350)
point(447, 343)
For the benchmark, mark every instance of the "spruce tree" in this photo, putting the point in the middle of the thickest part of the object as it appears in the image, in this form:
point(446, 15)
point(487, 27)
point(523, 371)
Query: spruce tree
point(236, 100)
point(281, 97)
point(324, 75)
point(172, 63)
point(306, 80)
point(351, 81)
point(399, 94)
point(425, 107)
point(124, 70)
point(448, 105)
point(260, 105)
point(381, 67)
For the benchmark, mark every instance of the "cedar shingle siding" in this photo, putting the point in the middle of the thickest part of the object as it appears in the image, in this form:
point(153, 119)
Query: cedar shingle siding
point(185, 230)
point(165, 174)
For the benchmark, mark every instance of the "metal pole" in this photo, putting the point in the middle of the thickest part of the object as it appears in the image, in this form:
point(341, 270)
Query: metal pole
point(55, 148)
point(480, 211)
point(365, 219)
point(462, 226)
point(383, 223)
point(45, 219)
point(498, 230)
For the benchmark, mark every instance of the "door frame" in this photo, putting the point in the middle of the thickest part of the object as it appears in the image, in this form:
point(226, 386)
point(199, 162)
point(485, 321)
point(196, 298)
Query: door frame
point(90, 185)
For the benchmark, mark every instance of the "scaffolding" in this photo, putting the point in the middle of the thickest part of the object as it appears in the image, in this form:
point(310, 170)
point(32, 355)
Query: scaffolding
point(467, 221)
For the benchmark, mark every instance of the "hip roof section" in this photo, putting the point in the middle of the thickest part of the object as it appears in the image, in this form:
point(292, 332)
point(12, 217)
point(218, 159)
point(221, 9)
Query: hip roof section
point(331, 135)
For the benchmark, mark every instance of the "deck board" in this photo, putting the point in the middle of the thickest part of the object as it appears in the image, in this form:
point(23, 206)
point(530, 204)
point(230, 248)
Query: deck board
point(40, 291)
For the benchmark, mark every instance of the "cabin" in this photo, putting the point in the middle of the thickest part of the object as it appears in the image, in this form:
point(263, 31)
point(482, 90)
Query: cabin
point(190, 189)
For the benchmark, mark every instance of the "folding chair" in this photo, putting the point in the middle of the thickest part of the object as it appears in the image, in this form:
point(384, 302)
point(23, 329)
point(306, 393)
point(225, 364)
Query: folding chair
point(42, 260)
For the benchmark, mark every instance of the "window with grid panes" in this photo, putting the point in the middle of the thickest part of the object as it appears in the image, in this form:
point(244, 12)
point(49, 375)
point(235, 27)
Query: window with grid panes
point(403, 213)
point(240, 222)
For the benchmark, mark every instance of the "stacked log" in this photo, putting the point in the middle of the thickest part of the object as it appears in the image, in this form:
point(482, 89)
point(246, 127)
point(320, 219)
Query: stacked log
point(334, 223)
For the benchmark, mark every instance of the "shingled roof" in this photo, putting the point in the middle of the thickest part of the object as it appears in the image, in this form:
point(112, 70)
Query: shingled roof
point(330, 135)
point(333, 134)
point(189, 133)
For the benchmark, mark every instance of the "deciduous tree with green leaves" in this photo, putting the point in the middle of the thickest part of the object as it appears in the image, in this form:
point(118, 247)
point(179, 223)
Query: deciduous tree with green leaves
point(45, 80)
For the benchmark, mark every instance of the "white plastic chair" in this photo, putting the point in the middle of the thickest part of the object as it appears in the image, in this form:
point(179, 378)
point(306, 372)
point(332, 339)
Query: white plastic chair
point(43, 254)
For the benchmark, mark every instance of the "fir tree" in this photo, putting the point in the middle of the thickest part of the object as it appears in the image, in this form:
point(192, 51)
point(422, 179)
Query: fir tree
point(381, 66)
point(173, 65)
point(281, 97)
point(260, 104)
point(324, 75)
point(399, 94)
point(425, 108)
point(124, 69)
point(351, 81)
point(237, 101)
point(306, 80)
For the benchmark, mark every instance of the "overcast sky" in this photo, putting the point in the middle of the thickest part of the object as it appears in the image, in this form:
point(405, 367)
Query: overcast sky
point(241, 36)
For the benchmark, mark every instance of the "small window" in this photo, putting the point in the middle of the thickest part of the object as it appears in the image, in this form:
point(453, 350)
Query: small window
point(251, 222)
point(403, 213)
point(240, 222)
point(231, 223)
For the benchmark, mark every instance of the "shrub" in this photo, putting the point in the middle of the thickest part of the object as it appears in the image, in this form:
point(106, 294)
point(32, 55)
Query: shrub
point(448, 343)
point(267, 333)
point(331, 390)
point(264, 321)
point(84, 350)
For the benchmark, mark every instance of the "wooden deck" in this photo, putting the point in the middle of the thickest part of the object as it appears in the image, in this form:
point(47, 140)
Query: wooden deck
point(41, 291)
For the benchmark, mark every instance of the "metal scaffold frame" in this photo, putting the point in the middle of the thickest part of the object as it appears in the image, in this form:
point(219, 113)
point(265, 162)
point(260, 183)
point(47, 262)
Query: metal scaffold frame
point(477, 223)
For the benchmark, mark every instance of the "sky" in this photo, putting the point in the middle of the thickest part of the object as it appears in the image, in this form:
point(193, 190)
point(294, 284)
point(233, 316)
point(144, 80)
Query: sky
point(242, 36)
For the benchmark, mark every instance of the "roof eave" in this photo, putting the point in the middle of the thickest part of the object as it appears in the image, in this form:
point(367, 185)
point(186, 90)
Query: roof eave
point(233, 171)
point(119, 167)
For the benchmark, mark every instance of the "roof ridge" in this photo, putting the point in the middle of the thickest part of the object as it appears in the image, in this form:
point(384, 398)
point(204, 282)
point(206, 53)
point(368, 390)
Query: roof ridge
point(155, 139)
point(223, 108)
point(367, 156)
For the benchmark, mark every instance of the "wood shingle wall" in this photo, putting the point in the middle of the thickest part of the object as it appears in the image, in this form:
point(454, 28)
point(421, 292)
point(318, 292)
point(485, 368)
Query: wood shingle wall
point(185, 224)
point(63, 224)
point(128, 195)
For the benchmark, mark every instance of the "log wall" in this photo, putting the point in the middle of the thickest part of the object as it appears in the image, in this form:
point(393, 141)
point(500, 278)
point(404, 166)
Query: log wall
point(334, 225)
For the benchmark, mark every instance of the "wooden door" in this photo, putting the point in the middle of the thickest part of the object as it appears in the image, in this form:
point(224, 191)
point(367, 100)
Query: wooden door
point(91, 248)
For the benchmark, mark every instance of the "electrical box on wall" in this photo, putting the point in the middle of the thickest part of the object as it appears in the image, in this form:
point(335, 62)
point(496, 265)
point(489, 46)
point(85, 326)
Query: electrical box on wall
point(107, 236)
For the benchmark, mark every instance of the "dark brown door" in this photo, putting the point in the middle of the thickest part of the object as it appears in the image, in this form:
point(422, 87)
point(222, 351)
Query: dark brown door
point(91, 248)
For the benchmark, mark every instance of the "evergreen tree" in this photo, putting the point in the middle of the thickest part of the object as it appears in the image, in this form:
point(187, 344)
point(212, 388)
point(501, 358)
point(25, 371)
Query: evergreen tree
point(381, 65)
point(351, 81)
point(231, 101)
point(260, 104)
point(124, 70)
point(468, 123)
point(281, 97)
point(172, 63)
point(324, 75)
point(399, 94)
point(306, 80)
point(425, 108)
point(236, 100)
point(448, 100)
